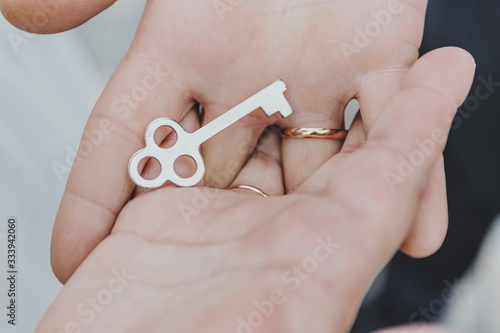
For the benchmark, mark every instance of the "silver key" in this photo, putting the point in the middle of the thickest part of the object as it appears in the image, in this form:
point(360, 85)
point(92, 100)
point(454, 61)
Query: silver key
point(271, 99)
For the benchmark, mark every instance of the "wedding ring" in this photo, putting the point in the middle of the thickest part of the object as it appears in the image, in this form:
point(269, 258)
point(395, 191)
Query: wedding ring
point(250, 188)
point(314, 133)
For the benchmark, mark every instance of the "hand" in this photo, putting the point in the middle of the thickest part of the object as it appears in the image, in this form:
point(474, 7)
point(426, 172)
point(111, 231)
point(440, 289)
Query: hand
point(188, 52)
point(305, 258)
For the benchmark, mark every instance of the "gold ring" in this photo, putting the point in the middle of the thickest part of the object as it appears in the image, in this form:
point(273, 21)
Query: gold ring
point(314, 133)
point(250, 188)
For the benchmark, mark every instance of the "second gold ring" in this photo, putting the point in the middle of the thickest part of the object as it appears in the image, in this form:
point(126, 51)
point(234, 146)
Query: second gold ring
point(314, 133)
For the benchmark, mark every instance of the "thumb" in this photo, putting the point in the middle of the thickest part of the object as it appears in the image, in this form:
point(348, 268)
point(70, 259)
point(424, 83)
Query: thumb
point(51, 16)
point(399, 169)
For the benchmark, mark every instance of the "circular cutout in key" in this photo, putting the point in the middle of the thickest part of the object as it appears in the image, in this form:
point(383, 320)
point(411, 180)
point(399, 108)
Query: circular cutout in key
point(136, 166)
point(165, 137)
point(270, 99)
point(185, 166)
point(151, 168)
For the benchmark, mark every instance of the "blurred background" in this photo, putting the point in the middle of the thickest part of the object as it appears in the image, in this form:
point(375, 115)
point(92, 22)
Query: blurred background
point(49, 84)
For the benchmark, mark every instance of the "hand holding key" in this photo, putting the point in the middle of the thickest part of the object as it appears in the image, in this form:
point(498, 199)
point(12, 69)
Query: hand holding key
point(230, 256)
point(270, 99)
point(186, 52)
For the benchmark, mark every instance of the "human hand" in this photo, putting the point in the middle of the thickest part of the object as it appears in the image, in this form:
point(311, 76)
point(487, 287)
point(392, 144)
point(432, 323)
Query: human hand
point(306, 258)
point(327, 51)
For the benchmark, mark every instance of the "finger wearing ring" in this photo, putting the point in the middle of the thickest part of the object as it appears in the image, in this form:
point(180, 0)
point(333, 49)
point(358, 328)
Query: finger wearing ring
point(250, 188)
point(314, 133)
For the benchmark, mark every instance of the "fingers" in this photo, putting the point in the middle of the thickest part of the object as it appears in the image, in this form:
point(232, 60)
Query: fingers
point(99, 185)
point(225, 157)
point(431, 223)
point(419, 6)
point(356, 138)
point(263, 170)
point(302, 157)
point(313, 107)
point(420, 115)
point(432, 217)
point(377, 189)
point(377, 91)
point(379, 87)
point(54, 16)
point(386, 179)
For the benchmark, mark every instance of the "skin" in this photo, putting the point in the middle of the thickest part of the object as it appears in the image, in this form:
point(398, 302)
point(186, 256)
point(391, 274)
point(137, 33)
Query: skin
point(202, 273)
point(219, 61)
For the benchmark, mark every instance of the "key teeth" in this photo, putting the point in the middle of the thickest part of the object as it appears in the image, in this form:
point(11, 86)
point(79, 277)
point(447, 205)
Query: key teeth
point(280, 83)
point(286, 112)
point(283, 107)
point(279, 86)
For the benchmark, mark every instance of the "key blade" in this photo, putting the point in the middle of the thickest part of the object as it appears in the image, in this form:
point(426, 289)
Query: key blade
point(274, 100)
point(270, 99)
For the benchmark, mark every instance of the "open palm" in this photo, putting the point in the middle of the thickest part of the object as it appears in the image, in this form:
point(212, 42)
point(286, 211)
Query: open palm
point(204, 259)
point(218, 53)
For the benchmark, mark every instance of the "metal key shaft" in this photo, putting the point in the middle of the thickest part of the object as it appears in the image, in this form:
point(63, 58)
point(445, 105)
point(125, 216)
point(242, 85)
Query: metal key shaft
point(271, 99)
